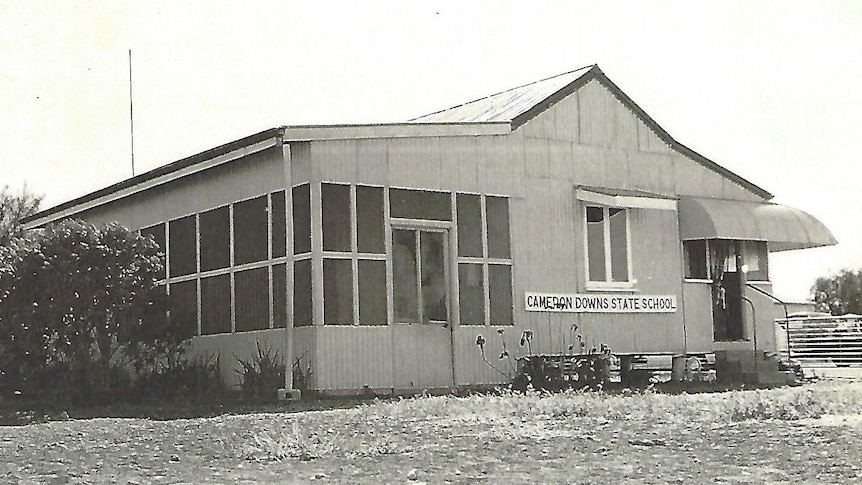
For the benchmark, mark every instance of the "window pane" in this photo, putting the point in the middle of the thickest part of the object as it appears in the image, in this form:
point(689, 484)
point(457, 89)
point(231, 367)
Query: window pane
point(619, 245)
point(215, 239)
point(372, 292)
point(404, 283)
point(497, 209)
point(184, 307)
point(369, 219)
point(434, 301)
point(500, 279)
point(279, 296)
point(279, 225)
point(695, 259)
point(336, 217)
point(183, 250)
point(215, 305)
point(420, 204)
point(157, 234)
point(596, 243)
point(471, 293)
point(301, 219)
point(302, 302)
point(252, 299)
point(250, 231)
point(756, 260)
point(337, 292)
point(722, 257)
point(469, 225)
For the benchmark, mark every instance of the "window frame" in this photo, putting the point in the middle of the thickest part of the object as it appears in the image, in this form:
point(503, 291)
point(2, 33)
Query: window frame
point(353, 254)
point(270, 262)
point(744, 245)
point(608, 284)
point(485, 261)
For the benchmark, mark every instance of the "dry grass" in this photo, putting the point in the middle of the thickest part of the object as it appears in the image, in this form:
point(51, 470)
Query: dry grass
point(369, 429)
point(795, 435)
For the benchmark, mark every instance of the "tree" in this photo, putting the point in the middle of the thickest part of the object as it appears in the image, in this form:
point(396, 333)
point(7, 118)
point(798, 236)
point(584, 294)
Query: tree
point(840, 293)
point(85, 300)
point(14, 208)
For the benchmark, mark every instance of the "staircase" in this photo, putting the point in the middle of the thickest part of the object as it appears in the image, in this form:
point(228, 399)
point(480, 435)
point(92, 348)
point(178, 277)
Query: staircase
point(749, 367)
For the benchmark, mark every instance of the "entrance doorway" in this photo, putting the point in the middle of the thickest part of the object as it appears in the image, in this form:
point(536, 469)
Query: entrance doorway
point(422, 309)
point(726, 270)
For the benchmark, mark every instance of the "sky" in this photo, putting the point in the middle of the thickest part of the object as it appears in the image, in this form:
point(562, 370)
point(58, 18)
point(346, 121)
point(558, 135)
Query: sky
point(768, 89)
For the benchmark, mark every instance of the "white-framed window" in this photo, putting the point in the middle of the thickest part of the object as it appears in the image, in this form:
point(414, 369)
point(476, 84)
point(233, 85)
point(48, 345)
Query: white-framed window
point(608, 246)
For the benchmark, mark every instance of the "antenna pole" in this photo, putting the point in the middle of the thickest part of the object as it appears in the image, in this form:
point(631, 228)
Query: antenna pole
point(131, 113)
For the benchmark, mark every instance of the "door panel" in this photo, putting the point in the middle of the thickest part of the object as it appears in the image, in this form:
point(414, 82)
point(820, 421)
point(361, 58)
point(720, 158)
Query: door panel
point(433, 279)
point(422, 334)
point(404, 275)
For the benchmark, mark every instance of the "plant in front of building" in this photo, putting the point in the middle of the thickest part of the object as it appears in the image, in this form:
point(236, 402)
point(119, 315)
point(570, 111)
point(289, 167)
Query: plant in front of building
point(81, 311)
point(263, 374)
point(182, 378)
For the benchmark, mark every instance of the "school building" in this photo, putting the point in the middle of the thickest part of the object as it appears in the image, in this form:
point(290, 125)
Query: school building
point(377, 253)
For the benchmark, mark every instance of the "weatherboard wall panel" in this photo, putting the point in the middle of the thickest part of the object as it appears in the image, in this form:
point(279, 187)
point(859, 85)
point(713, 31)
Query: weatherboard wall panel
point(415, 163)
point(642, 173)
point(500, 170)
point(604, 120)
point(689, 177)
point(458, 161)
point(649, 141)
point(355, 357)
point(560, 156)
point(336, 160)
point(300, 162)
point(305, 351)
point(371, 161)
point(765, 313)
point(537, 163)
point(566, 115)
point(591, 166)
point(470, 368)
point(697, 302)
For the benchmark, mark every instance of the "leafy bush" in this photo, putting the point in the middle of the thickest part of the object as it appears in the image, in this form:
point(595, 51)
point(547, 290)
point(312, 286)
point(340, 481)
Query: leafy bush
point(264, 374)
point(81, 303)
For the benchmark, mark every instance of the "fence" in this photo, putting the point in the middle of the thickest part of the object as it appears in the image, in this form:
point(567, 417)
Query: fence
point(821, 342)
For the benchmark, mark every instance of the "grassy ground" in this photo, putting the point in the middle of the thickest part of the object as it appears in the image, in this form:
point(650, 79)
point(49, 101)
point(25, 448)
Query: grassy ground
point(792, 435)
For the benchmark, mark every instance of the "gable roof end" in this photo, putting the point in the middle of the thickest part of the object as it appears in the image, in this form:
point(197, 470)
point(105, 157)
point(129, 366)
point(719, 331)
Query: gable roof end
point(523, 103)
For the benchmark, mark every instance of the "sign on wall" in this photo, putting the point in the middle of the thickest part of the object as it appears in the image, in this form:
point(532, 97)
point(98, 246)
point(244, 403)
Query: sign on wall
point(599, 303)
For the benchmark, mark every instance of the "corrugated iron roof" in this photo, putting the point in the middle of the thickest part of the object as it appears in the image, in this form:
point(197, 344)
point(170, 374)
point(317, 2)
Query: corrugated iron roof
point(506, 105)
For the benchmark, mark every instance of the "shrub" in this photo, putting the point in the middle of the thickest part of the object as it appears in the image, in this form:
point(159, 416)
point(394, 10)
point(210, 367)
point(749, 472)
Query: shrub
point(194, 379)
point(81, 303)
point(264, 374)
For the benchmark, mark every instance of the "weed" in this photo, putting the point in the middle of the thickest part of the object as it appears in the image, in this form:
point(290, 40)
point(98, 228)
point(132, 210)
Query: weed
point(267, 447)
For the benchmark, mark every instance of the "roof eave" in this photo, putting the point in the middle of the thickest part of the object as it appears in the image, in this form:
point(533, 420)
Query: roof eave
point(157, 176)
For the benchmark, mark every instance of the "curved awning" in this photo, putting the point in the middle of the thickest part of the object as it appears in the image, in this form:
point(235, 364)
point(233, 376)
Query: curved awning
point(783, 227)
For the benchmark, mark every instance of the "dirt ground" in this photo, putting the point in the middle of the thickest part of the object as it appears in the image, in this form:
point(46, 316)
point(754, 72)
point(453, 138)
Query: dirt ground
point(377, 445)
